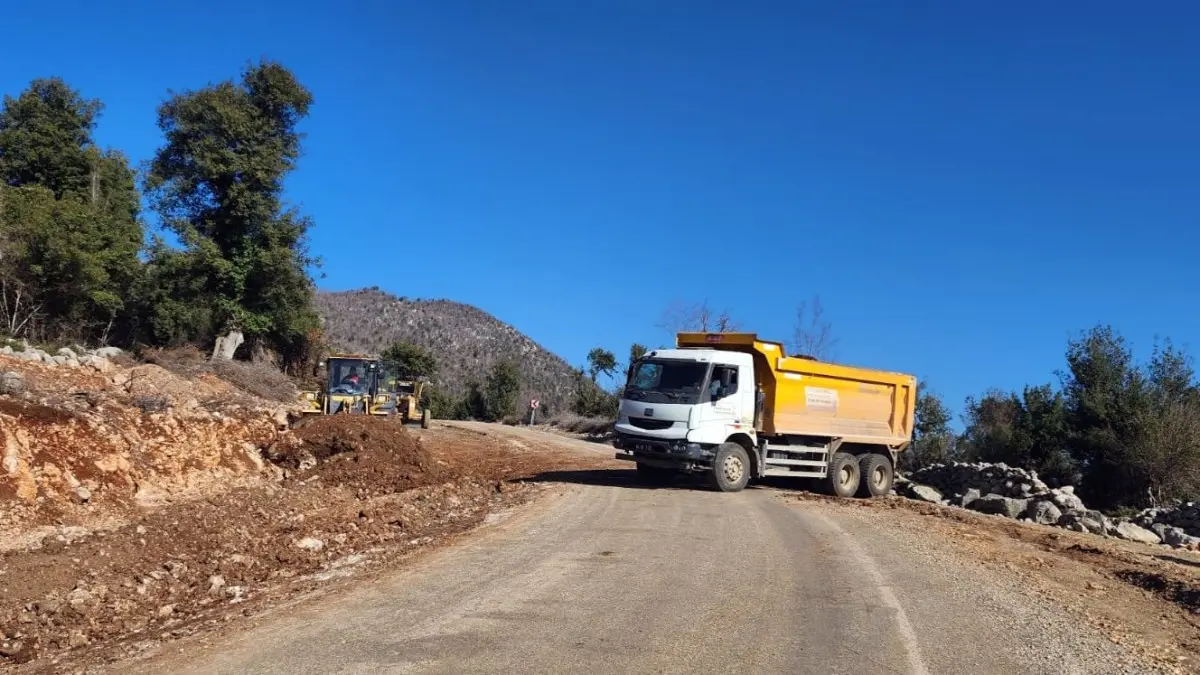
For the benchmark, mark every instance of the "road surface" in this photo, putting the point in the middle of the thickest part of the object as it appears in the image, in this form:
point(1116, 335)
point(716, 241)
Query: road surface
point(606, 576)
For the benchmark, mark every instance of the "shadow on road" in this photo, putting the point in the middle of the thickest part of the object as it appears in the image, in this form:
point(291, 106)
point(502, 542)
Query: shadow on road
point(629, 478)
point(622, 478)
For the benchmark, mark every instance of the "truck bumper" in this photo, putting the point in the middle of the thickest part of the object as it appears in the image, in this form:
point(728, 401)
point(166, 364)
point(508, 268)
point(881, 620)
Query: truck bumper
point(678, 454)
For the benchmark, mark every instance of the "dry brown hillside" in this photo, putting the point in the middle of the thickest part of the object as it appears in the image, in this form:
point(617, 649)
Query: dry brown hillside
point(465, 340)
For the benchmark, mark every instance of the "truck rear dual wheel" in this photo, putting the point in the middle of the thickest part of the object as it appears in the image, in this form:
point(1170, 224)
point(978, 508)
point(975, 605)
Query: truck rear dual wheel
point(844, 474)
point(876, 475)
point(731, 468)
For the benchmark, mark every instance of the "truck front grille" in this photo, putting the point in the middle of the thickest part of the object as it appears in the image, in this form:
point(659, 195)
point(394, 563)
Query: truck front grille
point(650, 424)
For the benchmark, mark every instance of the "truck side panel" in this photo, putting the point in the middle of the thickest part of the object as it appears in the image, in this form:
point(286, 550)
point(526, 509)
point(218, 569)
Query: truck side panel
point(854, 404)
point(805, 397)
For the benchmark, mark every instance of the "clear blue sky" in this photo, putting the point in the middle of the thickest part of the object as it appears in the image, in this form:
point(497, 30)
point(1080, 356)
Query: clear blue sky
point(965, 184)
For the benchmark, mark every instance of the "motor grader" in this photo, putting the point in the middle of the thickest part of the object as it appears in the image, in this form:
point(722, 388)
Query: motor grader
point(360, 384)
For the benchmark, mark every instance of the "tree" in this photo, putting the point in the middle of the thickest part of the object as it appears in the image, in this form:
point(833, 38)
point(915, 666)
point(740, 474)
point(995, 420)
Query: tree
point(592, 401)
point(217, 183)
point(601, 361)
point(933, 441)
point(409, 360)
point(500, 390)
point(681, 317)
point(69, 228)
point(812, 334)
point(45, 138)
point(1028, 430)
point(1107, 397)
point(636, 351)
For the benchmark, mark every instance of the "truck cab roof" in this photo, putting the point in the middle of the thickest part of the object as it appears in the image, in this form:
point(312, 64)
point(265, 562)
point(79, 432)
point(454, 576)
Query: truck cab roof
point(702, 354)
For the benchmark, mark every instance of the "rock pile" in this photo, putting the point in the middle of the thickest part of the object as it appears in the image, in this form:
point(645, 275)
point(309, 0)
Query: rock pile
point(1184, 519)
point(96, 359)
point(1013, 492)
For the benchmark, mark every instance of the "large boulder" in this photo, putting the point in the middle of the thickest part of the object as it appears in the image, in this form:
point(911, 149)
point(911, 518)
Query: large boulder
point(12, 383)
point(108, 352)
point(1043, 512)
point(968, 497)
point(923, 493)
point(1087, 521)
point(1066, 500)
point(1134, 532)
point(1000, 505)
point(96, 363)
point(67, 352)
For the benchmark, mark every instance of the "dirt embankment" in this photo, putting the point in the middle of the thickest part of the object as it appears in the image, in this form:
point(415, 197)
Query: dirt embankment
point(83, 447)
point(342, 495)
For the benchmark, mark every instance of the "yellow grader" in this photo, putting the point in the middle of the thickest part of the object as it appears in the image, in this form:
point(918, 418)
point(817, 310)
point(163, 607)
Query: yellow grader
point(357, 384)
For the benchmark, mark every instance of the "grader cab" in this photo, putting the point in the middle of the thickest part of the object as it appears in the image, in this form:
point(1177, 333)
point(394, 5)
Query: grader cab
point(360, 384)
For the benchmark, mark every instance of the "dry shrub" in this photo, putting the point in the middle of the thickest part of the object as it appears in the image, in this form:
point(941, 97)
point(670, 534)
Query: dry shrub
point(262, 379)
point(578, 424)
point(185, 361)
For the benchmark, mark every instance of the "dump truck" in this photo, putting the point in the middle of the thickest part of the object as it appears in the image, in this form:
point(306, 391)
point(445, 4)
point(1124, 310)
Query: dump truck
point(735, 408)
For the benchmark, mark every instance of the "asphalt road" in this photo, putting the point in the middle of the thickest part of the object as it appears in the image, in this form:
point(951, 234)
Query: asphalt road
point(610, 577)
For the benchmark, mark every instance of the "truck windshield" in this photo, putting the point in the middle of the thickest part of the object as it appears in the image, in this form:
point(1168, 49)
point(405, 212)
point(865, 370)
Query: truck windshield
point(665, 381)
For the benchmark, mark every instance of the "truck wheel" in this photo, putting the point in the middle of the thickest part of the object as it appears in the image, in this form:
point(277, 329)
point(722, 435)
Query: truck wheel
point(843, 474)
point(426, 419)
point(731, 468)
point(876, 476)
point(653, 475)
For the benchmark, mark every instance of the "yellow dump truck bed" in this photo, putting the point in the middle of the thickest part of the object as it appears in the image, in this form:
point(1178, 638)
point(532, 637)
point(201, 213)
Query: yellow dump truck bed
point(805, 397)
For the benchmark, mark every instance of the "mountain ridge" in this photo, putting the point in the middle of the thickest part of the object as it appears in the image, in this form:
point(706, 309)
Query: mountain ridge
point(465, 340)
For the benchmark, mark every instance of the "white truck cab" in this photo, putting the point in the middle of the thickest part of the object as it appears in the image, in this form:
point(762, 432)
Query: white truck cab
point(680, 404)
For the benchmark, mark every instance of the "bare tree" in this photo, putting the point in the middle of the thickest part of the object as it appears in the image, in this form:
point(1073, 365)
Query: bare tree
point(812, 335)
point(681, 317)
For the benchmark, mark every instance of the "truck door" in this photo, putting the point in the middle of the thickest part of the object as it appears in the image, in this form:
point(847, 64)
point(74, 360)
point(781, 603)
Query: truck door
point(721, 402)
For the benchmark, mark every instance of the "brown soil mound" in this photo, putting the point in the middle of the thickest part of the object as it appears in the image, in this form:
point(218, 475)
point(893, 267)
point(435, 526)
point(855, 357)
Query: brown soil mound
point(368, 453)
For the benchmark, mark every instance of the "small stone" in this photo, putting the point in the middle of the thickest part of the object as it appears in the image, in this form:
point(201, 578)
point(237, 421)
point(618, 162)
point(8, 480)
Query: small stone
point(215, 583)
point(165, 611)
point(83, 494)
point(77, 639)
point(78, 598)
point(141, 529)
point(310, 544)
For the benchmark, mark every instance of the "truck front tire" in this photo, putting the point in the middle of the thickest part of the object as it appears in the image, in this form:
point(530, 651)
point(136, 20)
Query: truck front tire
point(731, 468)
point(876, 475)
point(844, 475)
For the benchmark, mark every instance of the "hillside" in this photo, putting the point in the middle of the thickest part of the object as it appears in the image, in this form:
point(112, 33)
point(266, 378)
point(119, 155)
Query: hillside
point(465, 340)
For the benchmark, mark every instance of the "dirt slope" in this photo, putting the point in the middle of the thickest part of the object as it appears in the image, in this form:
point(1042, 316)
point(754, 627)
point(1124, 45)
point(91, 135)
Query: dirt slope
point(353, 494)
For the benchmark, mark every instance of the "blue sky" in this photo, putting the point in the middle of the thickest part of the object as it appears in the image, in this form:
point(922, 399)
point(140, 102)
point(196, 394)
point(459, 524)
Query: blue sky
point(964, 184)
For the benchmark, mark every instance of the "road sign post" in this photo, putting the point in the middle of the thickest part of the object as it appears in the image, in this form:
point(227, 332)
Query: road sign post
point(533, 406)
